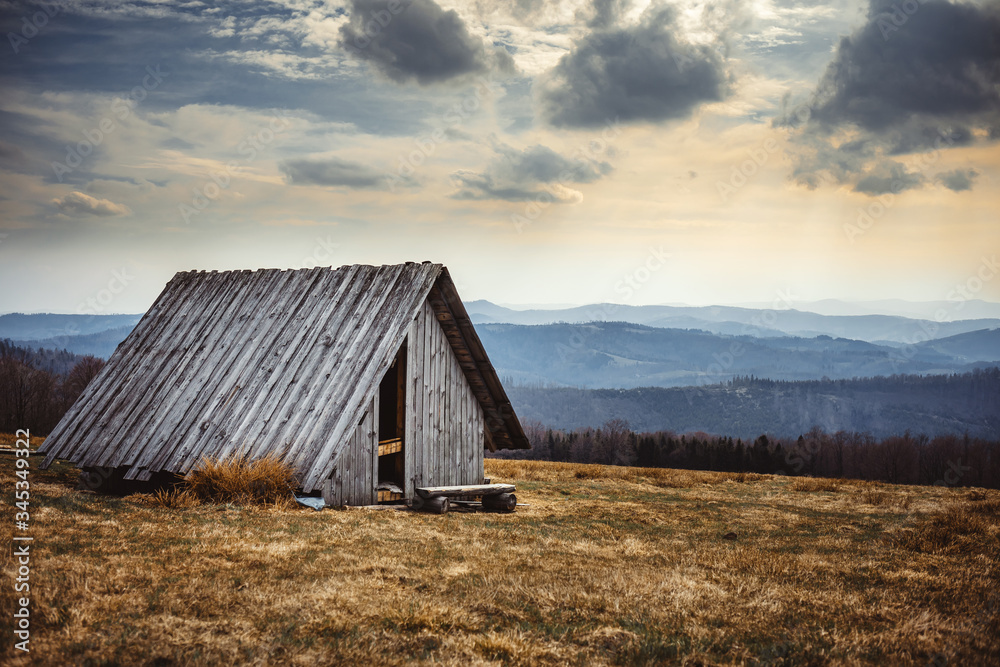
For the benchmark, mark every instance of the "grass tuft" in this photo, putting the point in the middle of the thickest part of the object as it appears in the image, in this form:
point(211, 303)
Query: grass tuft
point(174, 498)
point(813, 484)
point(958, 529)
point(241, 481)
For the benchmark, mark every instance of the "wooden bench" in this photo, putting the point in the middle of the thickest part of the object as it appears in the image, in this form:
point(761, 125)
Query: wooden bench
point(438, 499)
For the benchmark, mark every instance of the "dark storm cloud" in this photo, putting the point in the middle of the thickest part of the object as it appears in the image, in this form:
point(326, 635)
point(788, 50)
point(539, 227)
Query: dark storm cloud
point(958, 180)
point(918, 77)
point(888, 177)
point(634, 73)
point(11, 154)
point(518, 175)
point(104, 49)
point(940, 63)
point(333, 172)
point(605, 13)
point(417, 40)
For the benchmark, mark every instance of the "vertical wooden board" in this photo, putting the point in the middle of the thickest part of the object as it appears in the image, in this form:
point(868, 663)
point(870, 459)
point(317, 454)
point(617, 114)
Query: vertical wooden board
point(470, 447)
point(435, 434)
point(477, 446)
point(453, 412)
point(359, 462)
point(461, 448)
point(456, 419)
point(328, 492)
point(420, 396)
point(431, 426)
point(421, 420)
point(468, 456)
point(351, 473)
point(456, 455)
point(480, 441)
point(371, 458)
point(442, 389)
point(432, 395)
point(338, 478)
point(348, 467)
point(446, 414)
point(408, 444)
point(456, 415)
point(463, 431)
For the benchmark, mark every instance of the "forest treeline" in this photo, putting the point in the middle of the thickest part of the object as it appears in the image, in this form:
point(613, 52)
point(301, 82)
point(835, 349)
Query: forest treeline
point(38, 386)
point(748, 406)
point(948, 460)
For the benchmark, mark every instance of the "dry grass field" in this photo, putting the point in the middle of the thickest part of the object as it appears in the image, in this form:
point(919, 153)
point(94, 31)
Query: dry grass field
point(608, 566)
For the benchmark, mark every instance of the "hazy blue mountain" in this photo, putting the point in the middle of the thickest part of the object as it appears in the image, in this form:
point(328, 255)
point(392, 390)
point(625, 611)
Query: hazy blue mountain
point(981, 345)
point(921, 310)
point(39, 326)
point(733, 320)
point(623, 355)
point(101, 344)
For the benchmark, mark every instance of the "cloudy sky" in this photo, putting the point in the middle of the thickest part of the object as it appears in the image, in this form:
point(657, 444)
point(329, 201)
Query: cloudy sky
point(547, 152)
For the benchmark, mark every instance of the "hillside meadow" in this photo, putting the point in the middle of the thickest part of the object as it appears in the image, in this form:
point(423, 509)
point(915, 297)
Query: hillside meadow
point(605, 566)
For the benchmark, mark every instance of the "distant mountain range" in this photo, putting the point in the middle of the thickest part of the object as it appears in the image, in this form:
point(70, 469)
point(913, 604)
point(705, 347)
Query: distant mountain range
point(716, 344)
point(922, 310)
point(733, 320)
point(621, 355)
point(98, 335)
point(582, 366)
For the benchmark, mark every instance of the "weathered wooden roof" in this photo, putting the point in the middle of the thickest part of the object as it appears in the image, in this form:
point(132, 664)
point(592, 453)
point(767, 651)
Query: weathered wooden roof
point(265, 361)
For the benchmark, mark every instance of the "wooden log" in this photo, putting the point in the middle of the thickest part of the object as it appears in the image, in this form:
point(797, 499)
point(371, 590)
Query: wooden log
point(505, 502)
point(436, 505)
point(468, 490)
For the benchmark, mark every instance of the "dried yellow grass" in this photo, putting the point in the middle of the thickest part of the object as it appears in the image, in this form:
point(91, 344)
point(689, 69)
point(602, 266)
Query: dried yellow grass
point(174, 498)
point(241, 481)
point(614, 567)
point(813, 484)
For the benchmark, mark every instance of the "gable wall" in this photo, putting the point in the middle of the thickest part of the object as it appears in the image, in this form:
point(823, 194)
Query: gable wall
point(443, 443)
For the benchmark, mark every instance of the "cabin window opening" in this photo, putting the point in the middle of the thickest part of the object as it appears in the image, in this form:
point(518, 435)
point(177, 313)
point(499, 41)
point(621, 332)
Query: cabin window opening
point(391, 427)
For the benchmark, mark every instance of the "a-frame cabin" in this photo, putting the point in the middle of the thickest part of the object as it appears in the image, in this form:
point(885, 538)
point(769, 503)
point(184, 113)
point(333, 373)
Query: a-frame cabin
point(370, 381)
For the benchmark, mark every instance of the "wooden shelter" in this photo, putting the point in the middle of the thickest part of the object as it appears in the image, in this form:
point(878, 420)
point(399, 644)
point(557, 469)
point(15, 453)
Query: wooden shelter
point(361, 377)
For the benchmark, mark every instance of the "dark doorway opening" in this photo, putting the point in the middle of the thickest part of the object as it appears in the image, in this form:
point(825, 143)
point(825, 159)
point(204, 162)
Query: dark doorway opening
point(391, 428)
